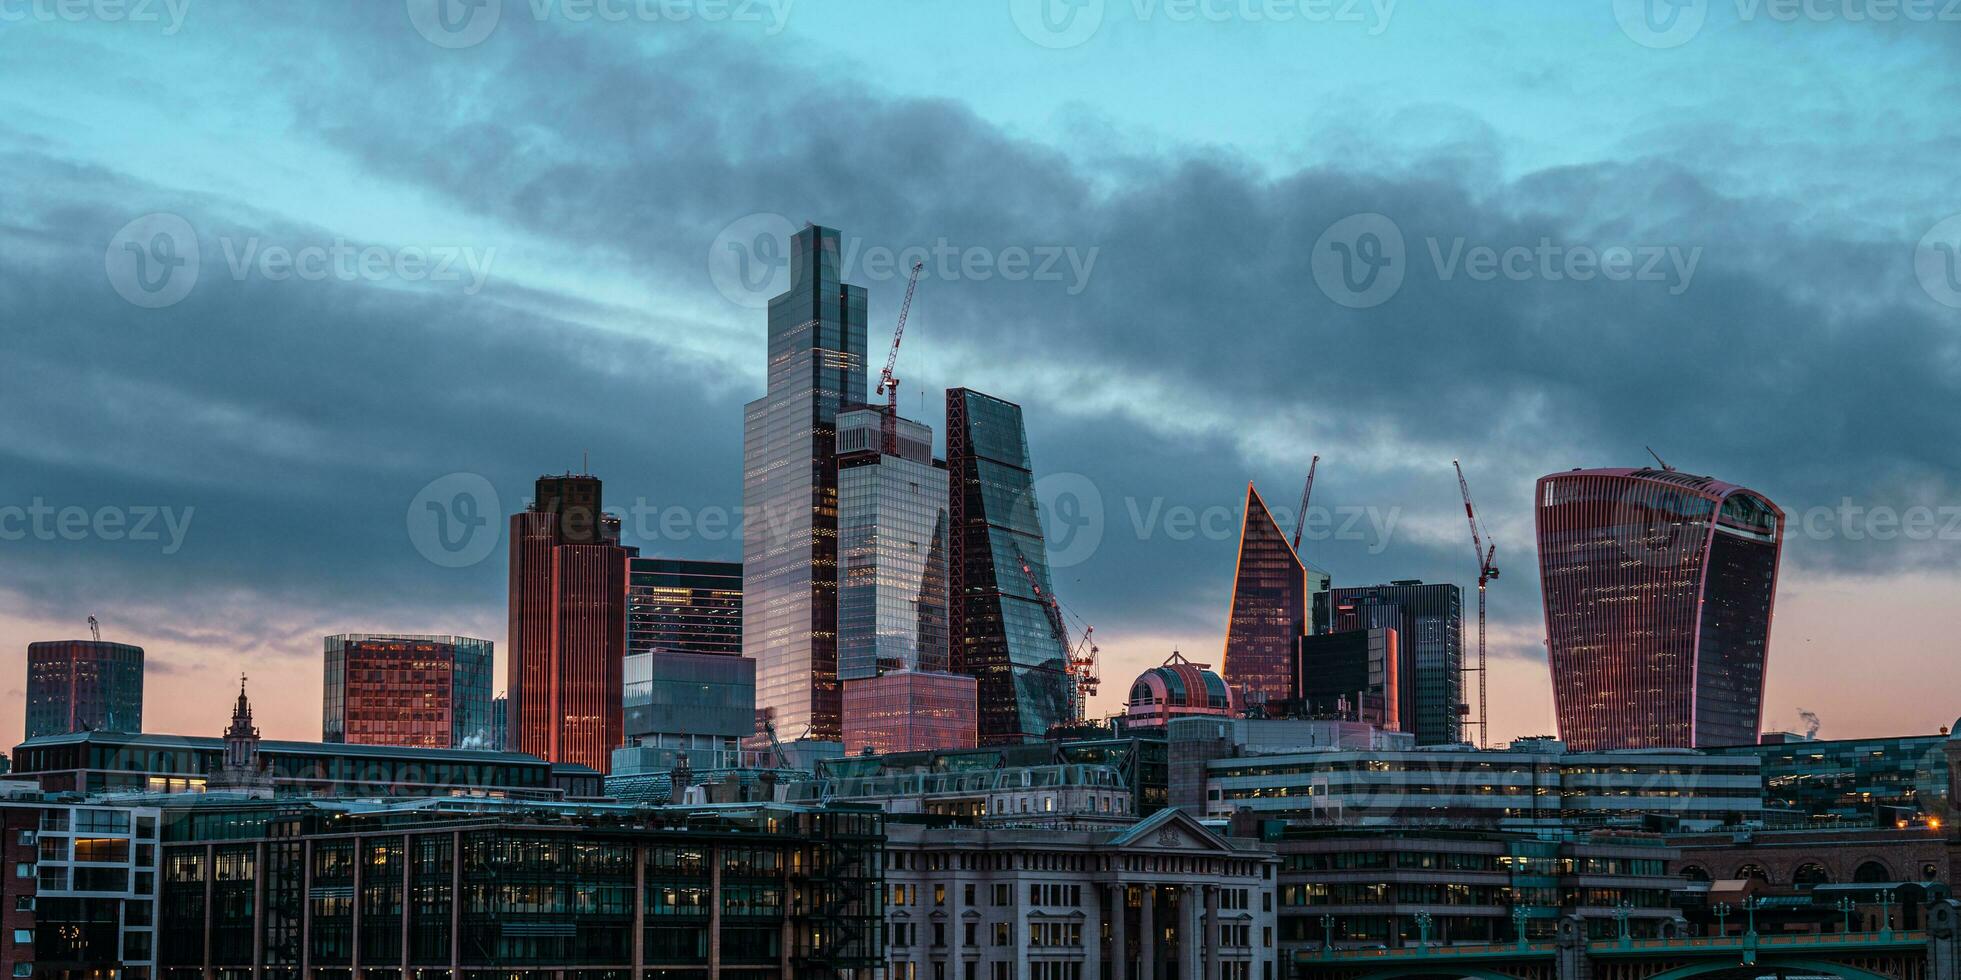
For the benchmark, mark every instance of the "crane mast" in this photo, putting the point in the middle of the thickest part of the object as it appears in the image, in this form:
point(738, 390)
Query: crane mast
point(1486, 555)
point(1300, 519)
point(888, 383)
point(1080, 657)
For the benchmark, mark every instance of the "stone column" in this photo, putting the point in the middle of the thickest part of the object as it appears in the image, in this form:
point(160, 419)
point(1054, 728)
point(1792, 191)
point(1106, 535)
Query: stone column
point(1191, 938)
point(1147, 939)
point(1119, 933)
point(1093, 935)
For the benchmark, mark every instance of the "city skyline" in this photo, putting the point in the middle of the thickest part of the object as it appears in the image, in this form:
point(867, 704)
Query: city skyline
point(291, 485)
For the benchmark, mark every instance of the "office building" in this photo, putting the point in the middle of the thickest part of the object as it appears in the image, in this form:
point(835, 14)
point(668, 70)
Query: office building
point(1269, 608)
point(688, 606)
point(1658, 587)
point(477, 889)
point(568, 625)
point(80, 890)
point(431, 692)
point(697, 706)
point(999, 573)
point(84, 686)
point(1429, 625)
point(910, 711)
point(789, 488)
point(1355, 889)
point(1352, 675)
point(1138, 760)
point(1851, 782)
point(1164, 897)
point(1177, 688)
point(1051, 796)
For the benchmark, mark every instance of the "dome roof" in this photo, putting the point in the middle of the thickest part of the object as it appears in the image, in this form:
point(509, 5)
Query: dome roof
point(1179, 683)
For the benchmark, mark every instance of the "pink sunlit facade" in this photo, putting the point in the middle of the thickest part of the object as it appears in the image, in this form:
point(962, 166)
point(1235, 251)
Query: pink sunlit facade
point(910, 711)
point(1269, 608)
point(1658, 588)
point(1178, 689)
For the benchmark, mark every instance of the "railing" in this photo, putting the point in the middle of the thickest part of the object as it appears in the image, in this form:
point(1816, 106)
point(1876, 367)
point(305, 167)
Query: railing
point(1747, 941)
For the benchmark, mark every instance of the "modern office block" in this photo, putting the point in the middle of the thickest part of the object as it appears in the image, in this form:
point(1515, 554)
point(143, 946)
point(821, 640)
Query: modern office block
point(1269, 608)
point(84, 686)
point(568, 625)
point(685, 606)
point(999, 572)
point(910, 711)
point(1429, 624)
point(1658, 589)
point(431, 692)
point(789, 488)
point(1351, 675)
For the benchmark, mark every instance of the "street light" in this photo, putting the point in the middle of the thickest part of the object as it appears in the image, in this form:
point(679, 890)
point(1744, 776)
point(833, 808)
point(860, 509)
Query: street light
point(1423, 921)
point(1722, 911)
point(1752, 905)
point(1845, 907)
point(1621, 913)
point(1328, 927)
point(1886, 914)
point(1520, 913)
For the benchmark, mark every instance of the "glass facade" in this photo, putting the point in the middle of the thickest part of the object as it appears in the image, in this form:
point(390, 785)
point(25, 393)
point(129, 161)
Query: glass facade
point(1351, 674)
point(84, 686)
point(909, 711)
point(1269, 608)
point(1658, 590)
point(429, 692)
point(892, 532)
point(689, 606)
point(1847, 781)
point(789, 489)
point(999, 628)
point(689, 694)
point(1429, 625)
point(567, 626)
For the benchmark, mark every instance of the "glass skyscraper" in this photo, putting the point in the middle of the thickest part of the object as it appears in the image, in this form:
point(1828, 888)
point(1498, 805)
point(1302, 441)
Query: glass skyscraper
point(1269, 608)
point(1658, 588)
point(685, 606)
point(1000, 631)
point(789, 489)
point(1429, 624)
point(430, 692)
point(892, 532)
point(84, 686)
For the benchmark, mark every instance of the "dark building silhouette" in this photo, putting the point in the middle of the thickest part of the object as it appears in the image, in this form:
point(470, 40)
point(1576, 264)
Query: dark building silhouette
point(1000, 631)
point(430, 692)
point(568, 626)
point(1658, 587)
point(1269, 608)
point(1429, 624)
point(84, 686)
point(789, 489)
point(1351, 675)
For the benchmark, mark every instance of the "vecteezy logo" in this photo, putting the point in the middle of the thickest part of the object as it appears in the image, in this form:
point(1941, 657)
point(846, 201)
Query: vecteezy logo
point(1071, 512)
point(153, 261)
point(1057, 23)
point(749, 261)
point(453, 521)
point(1661, 23)
point(1937, 262)
point(455, 23)
point(1660, 528)
point(1359, 261)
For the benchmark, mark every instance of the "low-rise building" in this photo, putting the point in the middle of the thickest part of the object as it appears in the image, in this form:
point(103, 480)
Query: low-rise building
point(1014, 796)
point(1853, 782)
point(1164, 897)
point(80, 887)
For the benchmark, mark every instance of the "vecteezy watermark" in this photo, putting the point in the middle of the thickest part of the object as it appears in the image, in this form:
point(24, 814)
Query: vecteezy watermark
point(1361, 261)
point(169, 14)
point(1672, 23)
point(749, 261)
point(455, 520)
point(1850, 521)
point(43, 521)
point(1937, 262)
point(468, 23)
point(1068, 23)
point(155, 260)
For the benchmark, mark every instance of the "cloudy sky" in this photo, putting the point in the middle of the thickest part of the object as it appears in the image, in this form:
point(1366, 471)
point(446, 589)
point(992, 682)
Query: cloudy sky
point(275, 277)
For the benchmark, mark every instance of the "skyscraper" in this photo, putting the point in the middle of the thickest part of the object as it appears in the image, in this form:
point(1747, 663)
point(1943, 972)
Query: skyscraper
point(1000, 630)
point(1269, 608)
point(430, 692)
point(568, 625)
point(1429, 624)
point(84, 686)
point(685, 606)
point(789, 489)
point(892, 592)
point(1658, 589)
point(1351, 675)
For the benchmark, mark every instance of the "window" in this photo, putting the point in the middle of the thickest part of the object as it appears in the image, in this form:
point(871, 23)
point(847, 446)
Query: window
point(23, 936)
point(23, 903)
point(23, 871)
point(23, 969)
point(27, 838)
point(939, 894)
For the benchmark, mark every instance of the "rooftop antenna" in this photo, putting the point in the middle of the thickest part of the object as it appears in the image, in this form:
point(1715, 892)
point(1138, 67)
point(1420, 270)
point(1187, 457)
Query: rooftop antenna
point(585, 462)
point(1658, 459)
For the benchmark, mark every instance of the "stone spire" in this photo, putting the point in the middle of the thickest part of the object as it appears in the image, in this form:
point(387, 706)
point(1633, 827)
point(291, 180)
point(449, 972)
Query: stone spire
point(241, 769)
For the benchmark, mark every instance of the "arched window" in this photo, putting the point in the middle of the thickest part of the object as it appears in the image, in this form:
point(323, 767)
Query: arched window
point(1811, 875)
point(1872, 873)
point(1694, 872)
point(1756, 871)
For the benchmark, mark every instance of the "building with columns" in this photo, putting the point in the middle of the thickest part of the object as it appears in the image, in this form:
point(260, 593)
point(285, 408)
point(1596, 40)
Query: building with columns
point(1166, 898)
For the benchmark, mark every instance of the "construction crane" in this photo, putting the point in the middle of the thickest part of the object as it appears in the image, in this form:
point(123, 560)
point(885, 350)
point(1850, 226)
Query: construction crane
point(1487, 571)
point(1080, 657)
point(888, 383)
point(95, 629)
point(1300, 519)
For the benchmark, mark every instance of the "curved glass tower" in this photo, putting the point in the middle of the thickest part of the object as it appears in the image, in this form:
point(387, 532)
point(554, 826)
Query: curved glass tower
point(1658, 588)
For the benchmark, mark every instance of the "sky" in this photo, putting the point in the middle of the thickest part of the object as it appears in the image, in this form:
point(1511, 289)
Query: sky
point(275, 278)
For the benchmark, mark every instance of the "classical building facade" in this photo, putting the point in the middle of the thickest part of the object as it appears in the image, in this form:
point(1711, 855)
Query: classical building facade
point(1165, 897)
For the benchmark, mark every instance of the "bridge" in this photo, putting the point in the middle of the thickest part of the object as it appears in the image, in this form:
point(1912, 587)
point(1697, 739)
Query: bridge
point(1930, 954)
